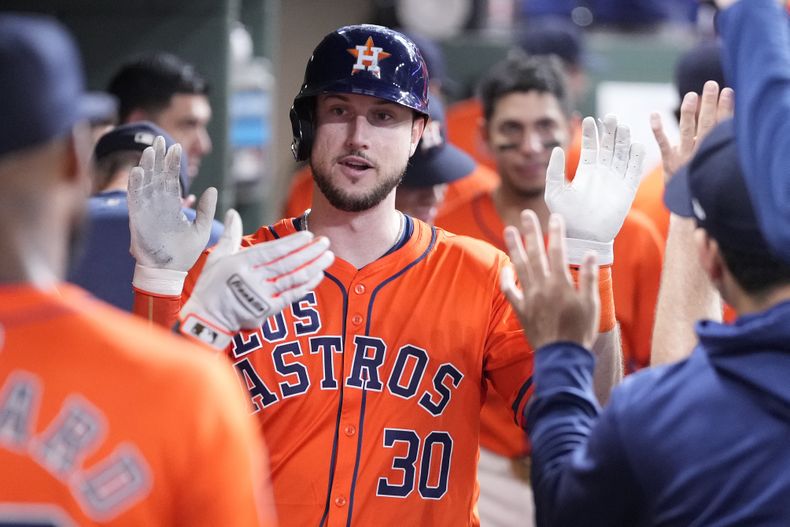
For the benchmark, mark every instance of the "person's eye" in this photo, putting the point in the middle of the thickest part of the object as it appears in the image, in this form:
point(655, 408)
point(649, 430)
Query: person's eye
point(384, 117)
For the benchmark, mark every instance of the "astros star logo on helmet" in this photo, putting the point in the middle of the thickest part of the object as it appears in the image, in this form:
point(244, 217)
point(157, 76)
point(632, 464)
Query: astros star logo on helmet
point(368, 57)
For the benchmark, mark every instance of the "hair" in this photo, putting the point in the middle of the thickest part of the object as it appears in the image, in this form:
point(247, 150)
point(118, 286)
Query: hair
point(524, 73)
point(757, 272)
point(105, 169)
point(148, 83)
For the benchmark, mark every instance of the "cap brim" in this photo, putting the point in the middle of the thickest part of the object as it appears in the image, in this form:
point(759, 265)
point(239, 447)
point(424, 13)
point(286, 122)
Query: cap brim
point(98, 106)
point(449, 164)
point(677, 194)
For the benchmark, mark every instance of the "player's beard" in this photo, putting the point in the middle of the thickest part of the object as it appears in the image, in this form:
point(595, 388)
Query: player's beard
point(347, 202)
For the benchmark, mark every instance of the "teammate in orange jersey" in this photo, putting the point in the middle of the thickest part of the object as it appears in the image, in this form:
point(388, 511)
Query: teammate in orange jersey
point(527, 114)
point(369, 388)
point(104, 420)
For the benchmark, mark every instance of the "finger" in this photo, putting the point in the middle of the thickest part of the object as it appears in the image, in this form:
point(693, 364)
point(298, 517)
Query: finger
point(555, 172)
point(558, 263)
point(172, 184)
point(297, 293)
point(687, 126)
point(230, 241)
point(633, 174)
point(147, 164)
point(206, 208)
point(159, 155)
point(589, 151)
point(295, 260)
point(534, 245)
point(135, 183)
point(607, 139)
point(507, 283)
point(269, 252)
point(622, 145)
point(726, 107)
point(707, 110)
point(588, 278)
point(518, 255)
point(664, 146)
point(304, 274)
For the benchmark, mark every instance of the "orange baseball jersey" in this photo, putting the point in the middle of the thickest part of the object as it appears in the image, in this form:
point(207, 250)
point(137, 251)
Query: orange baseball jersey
point(638, 256)
point(649, 200)
point(105, 420)
point(369, 389)
point(463, 130)
point(300, 195)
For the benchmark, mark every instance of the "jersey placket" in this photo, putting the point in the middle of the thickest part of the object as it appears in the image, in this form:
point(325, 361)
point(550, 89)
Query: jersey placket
point(351, 425)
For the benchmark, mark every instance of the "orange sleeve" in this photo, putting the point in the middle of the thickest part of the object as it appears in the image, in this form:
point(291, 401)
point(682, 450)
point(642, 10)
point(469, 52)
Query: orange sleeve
point(161, 310)
point(647, 282)
point(300, 195)
point(649, 200)
point(607, 320)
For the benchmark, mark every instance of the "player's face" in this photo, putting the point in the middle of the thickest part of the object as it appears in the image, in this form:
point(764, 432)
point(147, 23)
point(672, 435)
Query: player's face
point(186, 119)
point(522, 131)
point(420, 202)
point(361, 147)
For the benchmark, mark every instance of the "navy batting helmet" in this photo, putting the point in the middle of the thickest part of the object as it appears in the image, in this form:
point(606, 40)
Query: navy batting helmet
point(363, 59)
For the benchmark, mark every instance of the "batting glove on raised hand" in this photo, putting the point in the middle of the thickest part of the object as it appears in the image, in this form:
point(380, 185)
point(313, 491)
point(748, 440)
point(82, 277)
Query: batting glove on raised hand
point(595, 204)
point(241, 288)
point(164, 243)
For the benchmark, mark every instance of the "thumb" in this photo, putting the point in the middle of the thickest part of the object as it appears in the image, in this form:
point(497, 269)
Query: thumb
point(206, 207)
point(230, 241)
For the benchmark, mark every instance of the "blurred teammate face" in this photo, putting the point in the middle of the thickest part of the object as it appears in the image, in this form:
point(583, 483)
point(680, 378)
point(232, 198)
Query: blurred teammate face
point(361, 147)
point(186, 119)
point(522, 131)
point(420, 202)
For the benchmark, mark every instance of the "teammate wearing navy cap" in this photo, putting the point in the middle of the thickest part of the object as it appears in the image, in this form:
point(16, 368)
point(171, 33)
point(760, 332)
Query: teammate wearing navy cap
point(700, 442)
point(369, 388)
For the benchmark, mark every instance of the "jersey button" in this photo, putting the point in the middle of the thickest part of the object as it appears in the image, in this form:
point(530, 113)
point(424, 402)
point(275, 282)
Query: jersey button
point(356, 320)
point(360, 289)
point(340, 501)
point(350, 430)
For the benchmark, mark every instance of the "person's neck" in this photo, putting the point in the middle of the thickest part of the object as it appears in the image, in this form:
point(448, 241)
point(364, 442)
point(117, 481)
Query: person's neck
point(509, 204)
point(356, 237)
point(746, 304)
point(33, 255)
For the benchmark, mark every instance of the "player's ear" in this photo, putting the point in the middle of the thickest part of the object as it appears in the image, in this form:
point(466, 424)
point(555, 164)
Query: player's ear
point(709, 255)
point(417, 128)
point(77, 156)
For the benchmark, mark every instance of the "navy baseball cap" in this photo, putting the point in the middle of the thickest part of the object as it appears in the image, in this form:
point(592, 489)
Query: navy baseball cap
point(697, 66)
point(42, 83)
point(556, 36)
point(436, 161)
point(138, 136)
point(711, 189)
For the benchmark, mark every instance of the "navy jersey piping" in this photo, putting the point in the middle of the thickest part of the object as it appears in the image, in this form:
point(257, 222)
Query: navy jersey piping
point(359, 451)
point(521, 393)
point(274, 232)
point(333, 458)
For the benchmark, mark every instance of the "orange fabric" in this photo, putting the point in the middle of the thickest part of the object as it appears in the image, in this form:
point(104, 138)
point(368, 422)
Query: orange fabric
point(635, 277)
point(391, 395)
point(650, 200)
point(167, 435)
point(463, 130)
point(482, 178)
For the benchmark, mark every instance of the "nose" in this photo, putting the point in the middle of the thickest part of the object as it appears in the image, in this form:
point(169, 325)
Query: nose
point(358, 133)
point(202, 143)
point(531, 143)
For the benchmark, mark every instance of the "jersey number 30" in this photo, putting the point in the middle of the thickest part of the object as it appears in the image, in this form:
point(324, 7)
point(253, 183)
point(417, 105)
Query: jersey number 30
point(435, 443)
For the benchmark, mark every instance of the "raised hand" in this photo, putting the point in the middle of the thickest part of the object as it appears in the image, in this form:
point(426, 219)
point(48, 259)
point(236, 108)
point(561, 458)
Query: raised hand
point(595, 204)
point(548, 305)
point(162, 237)
point(713, 107)
point(240, 288)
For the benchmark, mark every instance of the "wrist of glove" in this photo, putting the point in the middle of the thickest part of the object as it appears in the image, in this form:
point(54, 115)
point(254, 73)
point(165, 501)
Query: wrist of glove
point(158, 282)
point(576, 249)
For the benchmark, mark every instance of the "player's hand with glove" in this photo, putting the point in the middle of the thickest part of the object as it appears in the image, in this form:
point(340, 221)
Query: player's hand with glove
point(596, 203)
point(240, 288)
point(164, 243)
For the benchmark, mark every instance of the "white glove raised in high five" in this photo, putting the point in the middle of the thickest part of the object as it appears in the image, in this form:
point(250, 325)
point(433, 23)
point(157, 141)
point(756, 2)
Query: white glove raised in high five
point(241, 288)
point(165, 243)
point(596, 203)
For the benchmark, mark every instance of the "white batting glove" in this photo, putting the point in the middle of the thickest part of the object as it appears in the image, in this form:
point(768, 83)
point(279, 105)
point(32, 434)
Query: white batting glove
point(595, 204)
point(241, 288)
point(164, 243)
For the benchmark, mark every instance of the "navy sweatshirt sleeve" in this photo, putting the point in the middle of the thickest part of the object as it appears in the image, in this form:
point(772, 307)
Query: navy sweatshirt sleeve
point(756, 63)
point(580, 474)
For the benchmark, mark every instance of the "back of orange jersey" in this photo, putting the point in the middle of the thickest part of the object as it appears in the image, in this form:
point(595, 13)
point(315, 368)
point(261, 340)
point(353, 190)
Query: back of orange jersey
point(105, 421)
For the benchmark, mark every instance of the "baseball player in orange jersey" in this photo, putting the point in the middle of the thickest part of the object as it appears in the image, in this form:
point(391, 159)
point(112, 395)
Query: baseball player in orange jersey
point(95, 405)
point(526, 103)
point(368, 389)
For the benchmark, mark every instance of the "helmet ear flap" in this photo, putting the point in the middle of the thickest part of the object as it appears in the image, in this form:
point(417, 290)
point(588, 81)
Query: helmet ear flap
point(301, 115)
